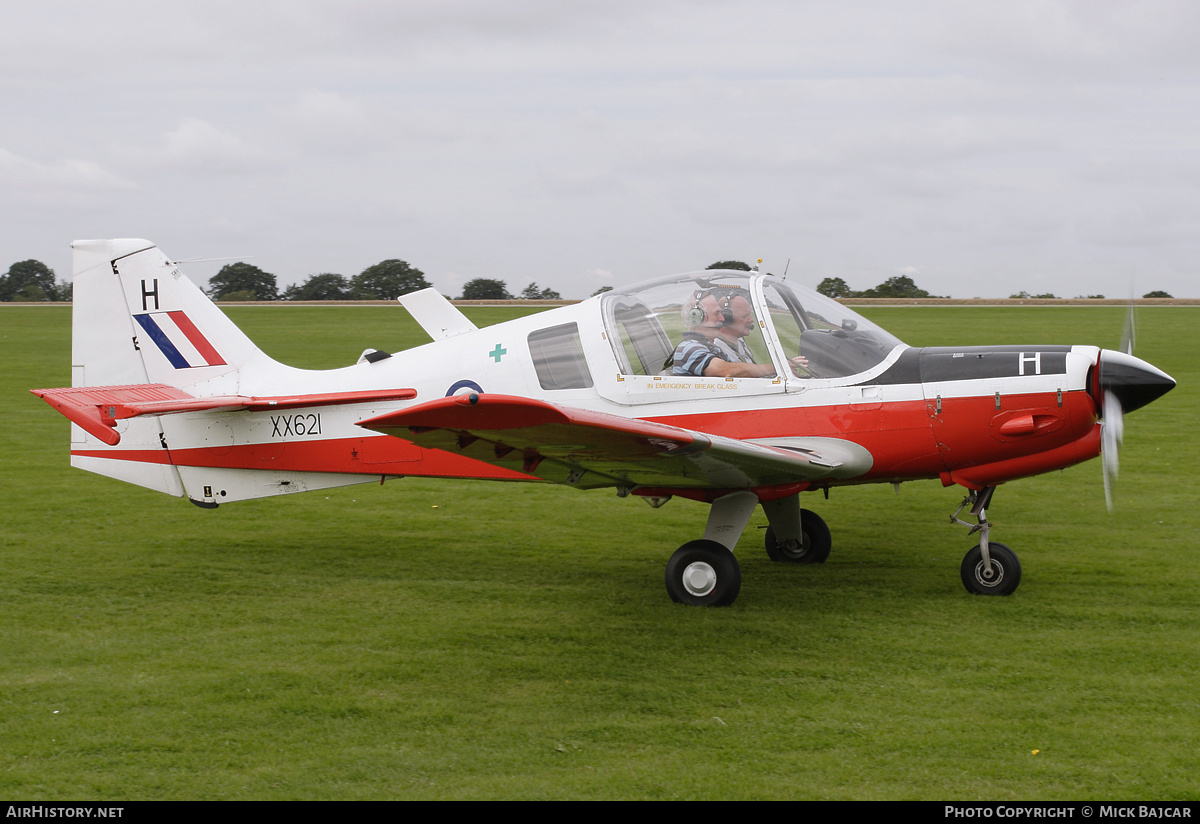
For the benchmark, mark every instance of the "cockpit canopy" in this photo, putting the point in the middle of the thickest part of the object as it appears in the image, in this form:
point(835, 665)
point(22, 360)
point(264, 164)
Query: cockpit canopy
point(648, 321)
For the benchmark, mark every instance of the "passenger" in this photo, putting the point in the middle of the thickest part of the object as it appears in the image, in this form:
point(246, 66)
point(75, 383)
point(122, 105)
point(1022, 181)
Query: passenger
point(697, 354)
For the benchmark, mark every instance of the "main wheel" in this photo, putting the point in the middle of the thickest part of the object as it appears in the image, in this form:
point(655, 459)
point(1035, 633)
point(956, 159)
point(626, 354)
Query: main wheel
point(703, 574)
point(812, 549)
point(1001, 579)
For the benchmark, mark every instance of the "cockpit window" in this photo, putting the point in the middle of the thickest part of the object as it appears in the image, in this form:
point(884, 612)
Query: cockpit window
point(835, 341)
point(677, 325)
point(715, 313)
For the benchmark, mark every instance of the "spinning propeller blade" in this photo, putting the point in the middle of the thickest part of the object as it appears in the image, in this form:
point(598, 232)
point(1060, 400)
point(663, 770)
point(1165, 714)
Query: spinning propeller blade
point(1126, 383)
point(1110, 444)
point(1129, 333)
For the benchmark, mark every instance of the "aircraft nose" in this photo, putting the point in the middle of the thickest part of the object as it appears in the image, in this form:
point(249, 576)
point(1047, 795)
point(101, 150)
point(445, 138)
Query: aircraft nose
point(1134, 382)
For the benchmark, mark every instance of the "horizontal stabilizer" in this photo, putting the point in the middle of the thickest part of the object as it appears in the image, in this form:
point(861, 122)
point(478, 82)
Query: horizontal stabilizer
point(98, 408)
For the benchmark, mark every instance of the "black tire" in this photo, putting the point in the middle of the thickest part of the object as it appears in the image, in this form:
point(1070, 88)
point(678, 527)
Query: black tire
point(814, 548)
point(703, 574)
point(1006, 571)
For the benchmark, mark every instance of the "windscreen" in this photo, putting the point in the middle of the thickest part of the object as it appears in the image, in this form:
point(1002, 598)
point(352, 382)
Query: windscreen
point(834, 340)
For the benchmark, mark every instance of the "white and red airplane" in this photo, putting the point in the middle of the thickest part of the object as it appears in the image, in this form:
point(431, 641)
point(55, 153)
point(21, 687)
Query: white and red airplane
point(169, 394)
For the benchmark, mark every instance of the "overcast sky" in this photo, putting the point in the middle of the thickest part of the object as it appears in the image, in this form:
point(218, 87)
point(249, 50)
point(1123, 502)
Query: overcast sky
point(983, 148)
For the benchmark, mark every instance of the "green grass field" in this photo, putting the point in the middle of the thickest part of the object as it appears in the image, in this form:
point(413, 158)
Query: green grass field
point(433, 639)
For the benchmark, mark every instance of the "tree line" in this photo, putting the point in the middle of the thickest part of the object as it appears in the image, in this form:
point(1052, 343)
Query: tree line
point(386, 280)
point(904, 287)
point(32, 280)
point(901, 286)
point(1022, 295)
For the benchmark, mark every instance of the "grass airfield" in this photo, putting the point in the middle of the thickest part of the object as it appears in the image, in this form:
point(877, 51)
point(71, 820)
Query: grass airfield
point(470, 640)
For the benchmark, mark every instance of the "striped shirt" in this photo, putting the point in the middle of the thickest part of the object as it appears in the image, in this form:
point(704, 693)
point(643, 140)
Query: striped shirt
point(693, 355)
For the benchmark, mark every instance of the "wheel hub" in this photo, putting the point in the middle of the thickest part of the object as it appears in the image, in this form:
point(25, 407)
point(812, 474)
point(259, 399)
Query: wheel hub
point(699, 578)
point(795, 549)
point(989, 576)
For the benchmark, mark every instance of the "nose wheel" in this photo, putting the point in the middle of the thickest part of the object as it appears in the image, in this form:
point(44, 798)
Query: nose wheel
point(989, 568)
point(999, 577)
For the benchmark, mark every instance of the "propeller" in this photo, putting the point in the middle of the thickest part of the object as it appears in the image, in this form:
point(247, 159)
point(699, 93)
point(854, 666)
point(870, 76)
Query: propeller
point(1126, 383)
point(1111, 435)
point(1129, 333)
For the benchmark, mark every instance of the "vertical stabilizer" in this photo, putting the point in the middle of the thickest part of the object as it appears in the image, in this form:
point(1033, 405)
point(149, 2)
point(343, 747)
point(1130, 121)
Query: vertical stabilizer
point(167, 393)
point(138, 320)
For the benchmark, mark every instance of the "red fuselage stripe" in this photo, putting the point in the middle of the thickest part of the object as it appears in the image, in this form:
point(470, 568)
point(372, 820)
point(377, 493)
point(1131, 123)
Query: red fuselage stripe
point(908, 440)
point(357, 456)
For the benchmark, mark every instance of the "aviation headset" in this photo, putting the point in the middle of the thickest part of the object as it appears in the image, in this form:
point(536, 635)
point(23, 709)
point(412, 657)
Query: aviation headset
point(696, 315)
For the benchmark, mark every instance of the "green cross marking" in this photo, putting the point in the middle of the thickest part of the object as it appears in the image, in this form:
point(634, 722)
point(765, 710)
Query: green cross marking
point(498, 352)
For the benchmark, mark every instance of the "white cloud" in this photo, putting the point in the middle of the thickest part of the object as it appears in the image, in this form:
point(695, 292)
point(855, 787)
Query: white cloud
point(33, 177)
point(200, 147)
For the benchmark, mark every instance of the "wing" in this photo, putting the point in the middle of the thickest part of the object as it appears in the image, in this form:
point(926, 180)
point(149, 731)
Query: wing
point(593, 449)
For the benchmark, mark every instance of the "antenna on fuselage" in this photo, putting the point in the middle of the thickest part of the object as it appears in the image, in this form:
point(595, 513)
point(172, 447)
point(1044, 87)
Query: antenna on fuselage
point(211, 260)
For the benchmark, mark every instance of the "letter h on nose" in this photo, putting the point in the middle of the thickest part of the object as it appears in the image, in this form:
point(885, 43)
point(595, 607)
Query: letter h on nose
point(1035, 359)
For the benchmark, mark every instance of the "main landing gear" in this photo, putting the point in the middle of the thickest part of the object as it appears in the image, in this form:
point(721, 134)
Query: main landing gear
point(812, 547)
point(989, 568)
point(705, 573)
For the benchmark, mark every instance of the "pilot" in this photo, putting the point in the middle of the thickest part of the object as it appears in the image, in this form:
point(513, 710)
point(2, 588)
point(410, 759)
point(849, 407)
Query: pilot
point(698, 353)
point(738, 322)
